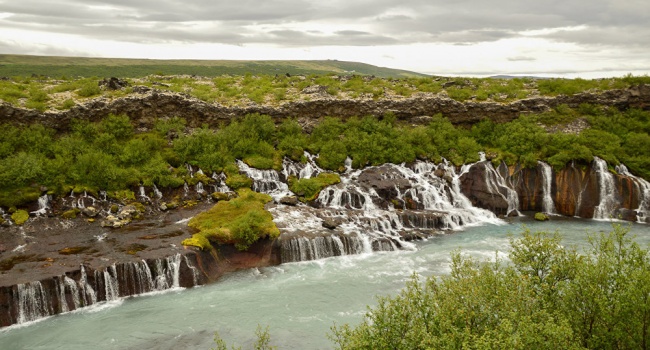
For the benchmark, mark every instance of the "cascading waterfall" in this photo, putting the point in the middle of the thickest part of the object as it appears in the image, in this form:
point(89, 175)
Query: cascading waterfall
point(497, 184)
point(371, 221)
point(607, 191)
point(301, 171)
point(199, 187)
point(33, 302)
point(643, 188)
point(43, 205)
point(265, 181)
point(548, 206)
point(305, 249)
point(111, 284)
point(221, 183)
point(157, 193)
point(142, 194)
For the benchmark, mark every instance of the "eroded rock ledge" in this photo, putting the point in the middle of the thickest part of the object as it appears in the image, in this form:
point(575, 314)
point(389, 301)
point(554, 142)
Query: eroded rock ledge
point(145, 106)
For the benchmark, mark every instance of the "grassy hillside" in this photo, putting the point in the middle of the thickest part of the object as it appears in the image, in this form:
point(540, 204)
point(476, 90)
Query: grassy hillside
point(21, 65)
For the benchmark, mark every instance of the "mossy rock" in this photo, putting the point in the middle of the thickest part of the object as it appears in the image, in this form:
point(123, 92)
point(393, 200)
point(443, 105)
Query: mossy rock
point(240, 221)
point(114, 208)
point(19, 197)
point(541, 217)
point(20, 217)
point(221, 196)
point(124, 195)
point(309, 189)
point(237, 181)
point(70, 214)
point(198, 241)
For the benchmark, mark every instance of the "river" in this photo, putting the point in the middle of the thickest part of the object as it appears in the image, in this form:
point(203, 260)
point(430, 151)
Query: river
point(298, 301)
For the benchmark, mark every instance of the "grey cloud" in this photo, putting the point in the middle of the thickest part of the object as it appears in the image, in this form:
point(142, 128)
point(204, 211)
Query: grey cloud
point(609, 22)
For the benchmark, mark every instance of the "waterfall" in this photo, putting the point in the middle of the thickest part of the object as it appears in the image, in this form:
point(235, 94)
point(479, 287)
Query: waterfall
point(305, 249)
point(607, 190)
point(302, 171)
point(643, 188)
point(186, 189)
point(265, 181)
point(87, 292)
point(497, 184)
point(43, 205)
point(157, 192)
point(199, 187)
point(33, 302)
point(195, 271)
point(142, 194)
point(221, 183)
point(547, 182)
point(361, 219)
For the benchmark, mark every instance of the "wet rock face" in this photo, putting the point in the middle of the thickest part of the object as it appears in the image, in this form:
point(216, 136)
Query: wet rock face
point(474, 184)
point(386, 181)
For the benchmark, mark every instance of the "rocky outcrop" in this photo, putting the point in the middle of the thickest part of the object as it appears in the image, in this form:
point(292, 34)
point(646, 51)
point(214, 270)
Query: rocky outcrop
point(147, 105)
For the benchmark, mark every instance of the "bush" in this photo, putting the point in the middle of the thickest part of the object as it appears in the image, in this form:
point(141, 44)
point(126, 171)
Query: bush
point(550, 297)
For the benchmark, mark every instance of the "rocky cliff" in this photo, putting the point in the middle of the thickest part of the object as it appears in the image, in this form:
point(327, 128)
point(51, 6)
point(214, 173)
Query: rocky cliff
point(146, 105)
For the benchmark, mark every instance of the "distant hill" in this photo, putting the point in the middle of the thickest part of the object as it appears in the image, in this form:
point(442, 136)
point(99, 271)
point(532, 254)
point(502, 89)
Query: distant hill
point(54, 66)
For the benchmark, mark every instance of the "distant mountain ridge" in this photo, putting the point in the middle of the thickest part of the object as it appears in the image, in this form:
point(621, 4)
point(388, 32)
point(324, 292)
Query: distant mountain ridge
point(55, 66)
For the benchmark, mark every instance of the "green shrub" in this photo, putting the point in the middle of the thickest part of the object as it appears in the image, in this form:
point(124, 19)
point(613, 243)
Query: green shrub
point(89, 89)
point(549, 297)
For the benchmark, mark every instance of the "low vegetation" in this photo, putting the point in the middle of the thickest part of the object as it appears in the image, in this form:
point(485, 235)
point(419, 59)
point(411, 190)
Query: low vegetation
point(547, 297)
point(240, 221)
point(110, 155)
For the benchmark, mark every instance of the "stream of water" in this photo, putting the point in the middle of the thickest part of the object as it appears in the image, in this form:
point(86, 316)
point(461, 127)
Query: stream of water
point(298, 301)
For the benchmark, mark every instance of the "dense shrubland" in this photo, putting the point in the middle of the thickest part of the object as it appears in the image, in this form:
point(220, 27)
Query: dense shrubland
point(110, 155)
point(546, 297)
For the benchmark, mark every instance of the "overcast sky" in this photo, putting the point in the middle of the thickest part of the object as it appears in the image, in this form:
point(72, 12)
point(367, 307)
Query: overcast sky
point(588, 38)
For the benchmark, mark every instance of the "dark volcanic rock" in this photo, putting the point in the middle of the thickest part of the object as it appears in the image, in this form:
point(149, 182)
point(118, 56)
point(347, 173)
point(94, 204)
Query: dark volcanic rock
point(147, 105)
point(289, 200)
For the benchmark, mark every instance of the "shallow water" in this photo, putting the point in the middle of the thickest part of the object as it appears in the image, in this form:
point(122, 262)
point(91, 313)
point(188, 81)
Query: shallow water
point(298, 301)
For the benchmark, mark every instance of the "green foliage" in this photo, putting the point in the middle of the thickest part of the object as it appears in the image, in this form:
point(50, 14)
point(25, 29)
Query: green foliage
point(549, 297)
point(89, 88)
point(240, 221)
point(308, 189)
point(262, 342)
point(20, 217)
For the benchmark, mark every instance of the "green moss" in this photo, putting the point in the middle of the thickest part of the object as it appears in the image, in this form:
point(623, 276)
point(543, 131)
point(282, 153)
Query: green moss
point(13, 198)
point(260, 162)
point(237, 181)
point(70, 214)
point(541, 217)
point(199, 241)
point(123, 195)
point(20, 216)
point(308, 189)
point(240, 221)
point(114, 208)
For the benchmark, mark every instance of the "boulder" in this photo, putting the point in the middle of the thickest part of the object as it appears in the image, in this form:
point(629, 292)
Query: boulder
point(330, 223)
point(90, 212)
point(114, 83)
point(289, 200)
